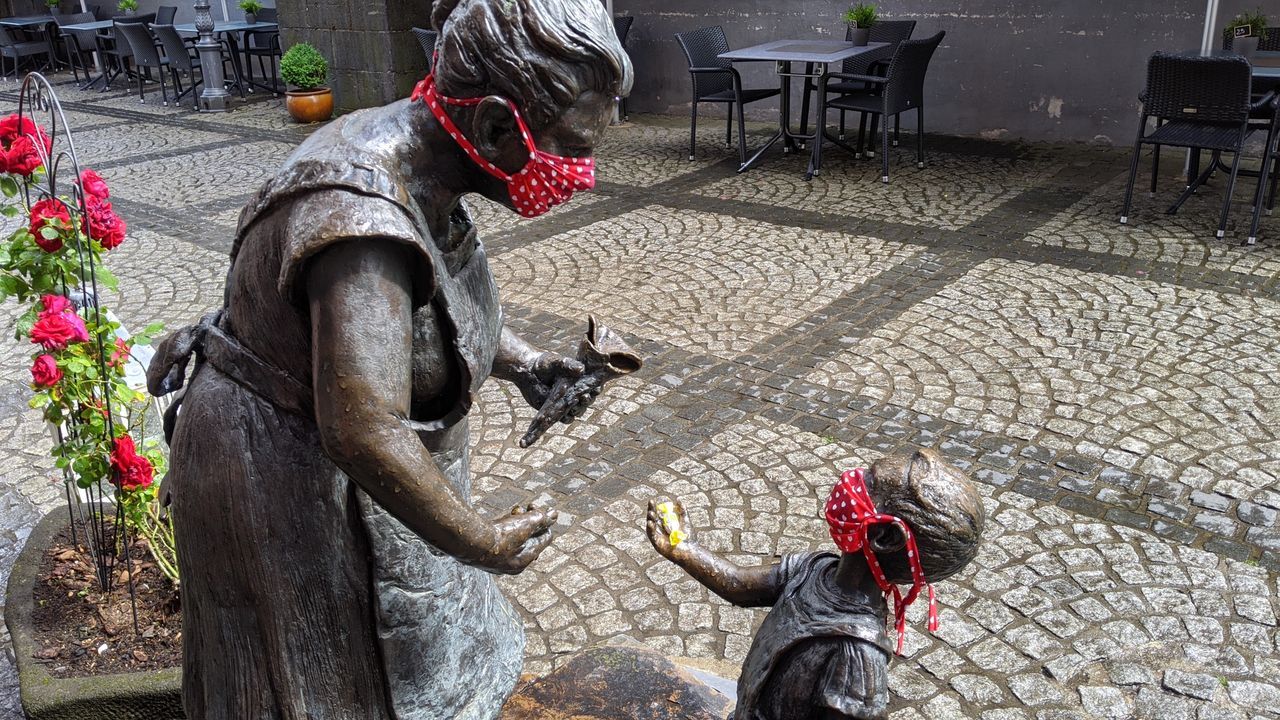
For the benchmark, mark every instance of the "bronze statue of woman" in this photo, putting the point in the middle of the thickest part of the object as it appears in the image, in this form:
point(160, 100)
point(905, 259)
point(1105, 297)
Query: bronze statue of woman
point(332, 563)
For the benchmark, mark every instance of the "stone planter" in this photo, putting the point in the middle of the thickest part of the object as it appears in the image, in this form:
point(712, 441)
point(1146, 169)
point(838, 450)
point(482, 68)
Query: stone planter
point(250, 18)
point(128, 696)
point(1245, 47)
point(859, 36)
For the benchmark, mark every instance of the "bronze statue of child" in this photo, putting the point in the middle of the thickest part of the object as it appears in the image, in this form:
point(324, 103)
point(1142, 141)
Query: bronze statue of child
point(823, 651)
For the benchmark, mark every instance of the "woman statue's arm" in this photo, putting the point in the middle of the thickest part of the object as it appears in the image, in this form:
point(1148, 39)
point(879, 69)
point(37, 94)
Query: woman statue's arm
point(360, 297)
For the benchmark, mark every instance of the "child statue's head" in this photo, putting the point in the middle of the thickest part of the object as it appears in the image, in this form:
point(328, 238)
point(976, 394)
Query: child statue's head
point(940, 505)
point(915, 520)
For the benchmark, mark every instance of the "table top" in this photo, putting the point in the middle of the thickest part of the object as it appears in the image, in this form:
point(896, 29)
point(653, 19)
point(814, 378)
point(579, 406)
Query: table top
point(27, 21)
point(95, 25)
point(814, 51)
point(232, 26)
point(1266, 65)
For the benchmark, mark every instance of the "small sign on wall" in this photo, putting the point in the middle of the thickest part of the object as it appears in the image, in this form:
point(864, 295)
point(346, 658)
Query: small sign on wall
point(1242, 31)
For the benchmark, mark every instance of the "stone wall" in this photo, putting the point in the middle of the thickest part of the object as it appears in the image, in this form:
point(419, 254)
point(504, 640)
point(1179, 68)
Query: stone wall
point(373, 58)
point(1035, 69)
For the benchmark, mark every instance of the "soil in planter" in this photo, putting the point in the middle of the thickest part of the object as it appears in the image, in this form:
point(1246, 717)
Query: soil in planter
point(80, 631)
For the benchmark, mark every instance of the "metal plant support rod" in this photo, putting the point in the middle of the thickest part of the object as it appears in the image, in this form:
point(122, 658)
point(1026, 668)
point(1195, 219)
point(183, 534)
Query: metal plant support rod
point(213, 95)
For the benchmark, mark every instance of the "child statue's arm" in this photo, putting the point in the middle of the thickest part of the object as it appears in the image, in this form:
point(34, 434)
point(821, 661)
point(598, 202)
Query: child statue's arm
point(757, 586)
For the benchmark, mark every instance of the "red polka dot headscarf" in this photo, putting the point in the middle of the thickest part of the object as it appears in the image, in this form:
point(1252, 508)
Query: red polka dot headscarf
point(850, 514)
point(545, 181)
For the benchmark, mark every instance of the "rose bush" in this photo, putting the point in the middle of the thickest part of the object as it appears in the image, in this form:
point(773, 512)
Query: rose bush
point(78, 371)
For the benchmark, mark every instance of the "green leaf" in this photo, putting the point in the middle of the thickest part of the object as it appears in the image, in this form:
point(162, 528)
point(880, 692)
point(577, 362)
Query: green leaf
point(10, 210)
point(8, 185)
point(50, 233)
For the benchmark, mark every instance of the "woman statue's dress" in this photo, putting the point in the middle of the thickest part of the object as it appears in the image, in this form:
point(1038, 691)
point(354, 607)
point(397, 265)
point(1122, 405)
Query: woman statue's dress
point(302, 598)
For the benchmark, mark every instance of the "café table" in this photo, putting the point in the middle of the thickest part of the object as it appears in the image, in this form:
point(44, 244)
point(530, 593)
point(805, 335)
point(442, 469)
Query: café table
point(34, 23)
point(231, 29)
point(816, 55)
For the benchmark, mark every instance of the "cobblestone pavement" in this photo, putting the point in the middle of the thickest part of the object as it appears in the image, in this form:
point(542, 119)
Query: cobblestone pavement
point(1113, 390)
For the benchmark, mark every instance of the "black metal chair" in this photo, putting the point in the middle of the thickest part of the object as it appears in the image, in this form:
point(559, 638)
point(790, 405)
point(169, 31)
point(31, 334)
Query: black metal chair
point(182, 60)
point(16, 49)
point(900, 89)
point(622, 28)
point(77, 44)
point(146, 56)
point(716, 80)
point(114, 50)
point(165, 14)
point(874, 62)
point(265, 46)
point(1202, 103)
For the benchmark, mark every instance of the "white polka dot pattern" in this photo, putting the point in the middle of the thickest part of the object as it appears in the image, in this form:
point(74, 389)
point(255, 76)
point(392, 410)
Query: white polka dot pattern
point(545, 181)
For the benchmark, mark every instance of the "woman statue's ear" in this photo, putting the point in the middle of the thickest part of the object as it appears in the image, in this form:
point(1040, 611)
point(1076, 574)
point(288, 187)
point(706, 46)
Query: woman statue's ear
point(496, 134)
point(886, 538)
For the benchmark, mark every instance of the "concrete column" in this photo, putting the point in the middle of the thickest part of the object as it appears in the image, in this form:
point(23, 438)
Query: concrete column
point(213, 93)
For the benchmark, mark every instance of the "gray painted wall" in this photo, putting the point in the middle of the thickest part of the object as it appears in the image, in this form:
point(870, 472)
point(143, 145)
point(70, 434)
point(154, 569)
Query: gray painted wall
point(1034, 69)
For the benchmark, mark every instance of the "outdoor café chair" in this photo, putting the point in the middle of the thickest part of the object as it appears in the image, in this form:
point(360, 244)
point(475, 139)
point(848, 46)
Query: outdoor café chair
point(716, 80)
point(77, 43)
point(265, 46)
point(899, 90)
point(12, 48)
point(183, 60)
point(146, 55)
point(1202, 103)
point(622, 28)
point(165, 14)
point(114, 49)
point(427, 39)
point(892, 32)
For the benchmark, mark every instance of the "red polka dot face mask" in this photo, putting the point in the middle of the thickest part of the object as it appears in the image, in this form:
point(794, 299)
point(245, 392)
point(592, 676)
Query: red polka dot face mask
point(850, 514)
point(545, 181)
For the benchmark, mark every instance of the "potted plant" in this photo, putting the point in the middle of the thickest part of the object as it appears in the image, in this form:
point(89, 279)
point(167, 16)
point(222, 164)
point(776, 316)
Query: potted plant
point(128, 7)
point(1246, 32)
point(250, 8)
point(860, 18)
point(54, 6)
point(304, 69)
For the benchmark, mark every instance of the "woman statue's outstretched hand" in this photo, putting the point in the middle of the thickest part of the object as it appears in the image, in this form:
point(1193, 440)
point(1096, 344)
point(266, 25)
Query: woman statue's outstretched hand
point(521, 537)
point(542, 376)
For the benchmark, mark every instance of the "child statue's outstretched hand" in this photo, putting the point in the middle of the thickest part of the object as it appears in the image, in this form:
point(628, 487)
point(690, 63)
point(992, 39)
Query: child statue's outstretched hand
point(669, 529)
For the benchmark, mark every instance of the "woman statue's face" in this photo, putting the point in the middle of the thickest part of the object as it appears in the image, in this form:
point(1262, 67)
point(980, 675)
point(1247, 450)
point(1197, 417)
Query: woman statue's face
point(575, 133)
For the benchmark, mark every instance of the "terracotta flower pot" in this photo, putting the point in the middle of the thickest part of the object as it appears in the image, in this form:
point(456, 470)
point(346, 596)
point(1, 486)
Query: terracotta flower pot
point(308, 106)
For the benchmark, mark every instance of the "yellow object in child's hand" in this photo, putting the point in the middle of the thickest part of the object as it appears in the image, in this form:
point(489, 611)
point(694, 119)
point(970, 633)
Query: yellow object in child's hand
point(671, 521)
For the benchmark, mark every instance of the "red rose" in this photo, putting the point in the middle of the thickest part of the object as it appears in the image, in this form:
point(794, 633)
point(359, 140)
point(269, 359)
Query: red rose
point(22, 158)
point(120, 354)
point(18, 154)
point(55, 304)
point(43, 212)
point(102, 223)
point(45, 372)
point(93, 185)
point(131, 471)
point(54, 332)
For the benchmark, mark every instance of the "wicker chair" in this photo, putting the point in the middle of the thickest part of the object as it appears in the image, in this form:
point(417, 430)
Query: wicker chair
point(872, 63)
point(77, 43)
point(716, 80)
point(899, 90)
point(182, 60)
point(114, 49)
point(146, 54)
point(165, 14)
point(13, 48)
point(1202, 103)
point(427, 39)
point(622, 28)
